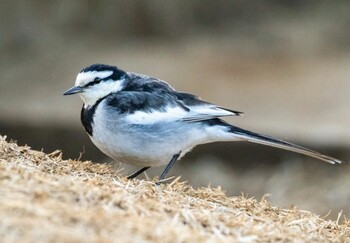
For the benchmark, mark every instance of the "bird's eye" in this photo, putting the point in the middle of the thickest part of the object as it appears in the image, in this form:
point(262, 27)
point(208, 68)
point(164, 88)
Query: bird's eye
point(97, 80)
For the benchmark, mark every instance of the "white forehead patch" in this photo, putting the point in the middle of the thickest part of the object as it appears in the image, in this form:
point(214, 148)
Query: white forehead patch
point(86, 77)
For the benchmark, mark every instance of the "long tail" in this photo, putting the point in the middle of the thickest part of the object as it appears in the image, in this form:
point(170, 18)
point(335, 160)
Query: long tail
point(266, 140)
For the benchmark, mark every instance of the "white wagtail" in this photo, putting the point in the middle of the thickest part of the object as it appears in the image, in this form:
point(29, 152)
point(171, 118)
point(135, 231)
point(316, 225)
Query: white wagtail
point(141, 120)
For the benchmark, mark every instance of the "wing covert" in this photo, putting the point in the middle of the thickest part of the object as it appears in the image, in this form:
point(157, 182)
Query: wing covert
point(139, 107)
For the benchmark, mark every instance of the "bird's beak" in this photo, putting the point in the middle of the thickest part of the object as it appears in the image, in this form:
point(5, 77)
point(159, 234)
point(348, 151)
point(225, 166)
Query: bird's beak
point(74, 90)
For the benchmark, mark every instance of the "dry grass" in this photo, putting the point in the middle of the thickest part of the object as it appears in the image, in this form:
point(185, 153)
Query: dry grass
point(47, 199)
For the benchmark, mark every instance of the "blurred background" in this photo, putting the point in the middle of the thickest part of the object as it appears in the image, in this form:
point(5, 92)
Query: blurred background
point(284, 63)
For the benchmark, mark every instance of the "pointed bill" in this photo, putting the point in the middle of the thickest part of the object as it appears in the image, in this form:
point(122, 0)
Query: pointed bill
point(74, 90)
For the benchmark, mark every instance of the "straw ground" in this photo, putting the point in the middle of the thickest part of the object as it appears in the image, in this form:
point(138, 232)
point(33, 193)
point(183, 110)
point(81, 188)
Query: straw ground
point(46, 199)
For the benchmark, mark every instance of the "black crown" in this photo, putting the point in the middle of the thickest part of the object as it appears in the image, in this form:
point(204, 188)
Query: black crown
point(117, 73)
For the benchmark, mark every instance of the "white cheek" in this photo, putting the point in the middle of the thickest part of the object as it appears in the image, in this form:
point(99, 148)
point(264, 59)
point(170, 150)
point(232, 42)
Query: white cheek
point(98, 91)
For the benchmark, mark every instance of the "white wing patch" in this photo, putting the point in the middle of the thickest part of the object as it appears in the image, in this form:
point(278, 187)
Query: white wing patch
point(205, 112)
point(170, 114)
point(177, 113)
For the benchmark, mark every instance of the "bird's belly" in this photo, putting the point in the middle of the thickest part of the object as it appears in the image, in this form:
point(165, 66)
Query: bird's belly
point(152, 145)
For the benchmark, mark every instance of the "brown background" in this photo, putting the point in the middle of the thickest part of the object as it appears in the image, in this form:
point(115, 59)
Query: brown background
point(286, 65)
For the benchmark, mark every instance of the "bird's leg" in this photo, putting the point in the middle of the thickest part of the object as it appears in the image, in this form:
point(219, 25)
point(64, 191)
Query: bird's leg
point(136, 173)
point(168, 167)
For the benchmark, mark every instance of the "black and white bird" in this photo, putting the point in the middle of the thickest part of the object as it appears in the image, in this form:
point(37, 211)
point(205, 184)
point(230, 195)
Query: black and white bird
point(141, 120)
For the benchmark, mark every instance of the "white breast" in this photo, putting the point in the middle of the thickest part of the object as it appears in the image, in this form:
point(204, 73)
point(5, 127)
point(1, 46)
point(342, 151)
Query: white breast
point(153, 144)
point(144, 145)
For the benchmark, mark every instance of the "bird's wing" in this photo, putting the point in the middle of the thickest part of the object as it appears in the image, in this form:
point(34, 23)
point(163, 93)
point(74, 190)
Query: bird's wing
point(197, 109)
point(201, 110)
point(147, 107)
point(144, 83)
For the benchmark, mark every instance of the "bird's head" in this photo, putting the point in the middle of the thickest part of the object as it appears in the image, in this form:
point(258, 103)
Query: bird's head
point(97, 81)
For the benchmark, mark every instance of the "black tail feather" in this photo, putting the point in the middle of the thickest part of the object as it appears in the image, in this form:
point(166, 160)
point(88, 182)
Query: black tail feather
point(267, 140)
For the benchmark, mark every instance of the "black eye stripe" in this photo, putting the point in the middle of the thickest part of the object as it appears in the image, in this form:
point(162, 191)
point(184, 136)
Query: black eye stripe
point(96, 81)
